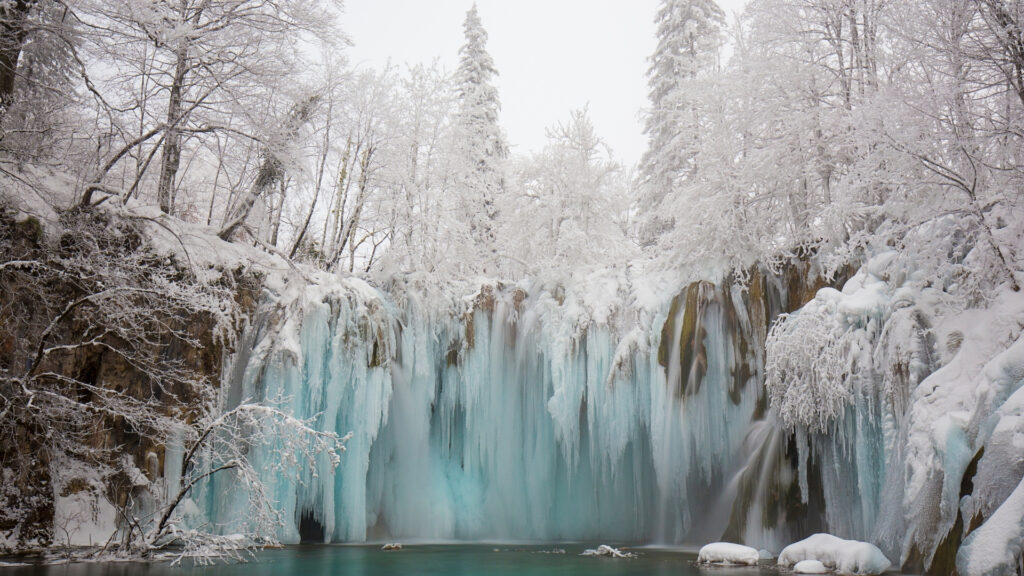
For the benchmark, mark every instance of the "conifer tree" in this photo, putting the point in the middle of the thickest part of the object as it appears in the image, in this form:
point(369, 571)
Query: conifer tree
point(480, 145)
point(689, 38)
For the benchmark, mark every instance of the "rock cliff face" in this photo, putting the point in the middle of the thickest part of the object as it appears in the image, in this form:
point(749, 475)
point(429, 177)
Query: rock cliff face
point(26, 498)
point(98, 347)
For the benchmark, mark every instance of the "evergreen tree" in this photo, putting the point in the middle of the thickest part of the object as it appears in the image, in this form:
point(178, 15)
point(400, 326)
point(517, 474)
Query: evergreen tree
point(689, 38)
point(480, 145)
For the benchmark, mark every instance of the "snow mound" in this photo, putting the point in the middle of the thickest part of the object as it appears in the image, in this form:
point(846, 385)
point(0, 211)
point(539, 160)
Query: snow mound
point(728, 553)
point(844, 556)
point(810, 567)
point(604, 550)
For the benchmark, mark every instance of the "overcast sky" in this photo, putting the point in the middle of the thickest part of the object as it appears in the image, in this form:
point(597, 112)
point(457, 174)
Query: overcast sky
point(552, 56)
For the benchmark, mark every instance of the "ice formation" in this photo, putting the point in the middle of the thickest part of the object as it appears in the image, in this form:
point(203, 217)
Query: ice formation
point(996, 545)
point(528, 413)
point(507, 421)
point(605, 550)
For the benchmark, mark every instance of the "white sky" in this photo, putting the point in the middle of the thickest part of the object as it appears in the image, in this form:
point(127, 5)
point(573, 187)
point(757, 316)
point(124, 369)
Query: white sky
point(552, 56)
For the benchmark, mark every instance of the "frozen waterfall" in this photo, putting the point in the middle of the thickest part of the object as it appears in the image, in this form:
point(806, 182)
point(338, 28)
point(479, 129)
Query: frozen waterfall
point(509, 421)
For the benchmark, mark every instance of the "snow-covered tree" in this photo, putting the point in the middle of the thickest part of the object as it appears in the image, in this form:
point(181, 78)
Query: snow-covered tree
point(37, 65)
point(370, 125)
point(574, 208)
point(14, 23)
point(421, 212)
point(189, 60)
point(690, 36)
point(479, 149)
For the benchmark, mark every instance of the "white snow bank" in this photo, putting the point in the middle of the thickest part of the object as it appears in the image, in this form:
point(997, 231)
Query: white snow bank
point(843, 556)
point(995, 547)
point(605, 550)
point(728, 553)
point(810, 567)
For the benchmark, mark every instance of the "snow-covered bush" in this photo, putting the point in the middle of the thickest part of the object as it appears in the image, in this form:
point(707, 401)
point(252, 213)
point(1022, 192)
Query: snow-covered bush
point(222, 443)
point(818, 357)
point(807, 367)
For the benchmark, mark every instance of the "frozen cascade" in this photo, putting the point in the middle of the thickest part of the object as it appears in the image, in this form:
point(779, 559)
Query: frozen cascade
point(524, 415)
point(509, 421)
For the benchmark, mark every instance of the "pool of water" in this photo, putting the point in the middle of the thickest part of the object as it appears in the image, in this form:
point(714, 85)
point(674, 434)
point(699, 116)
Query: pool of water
point(423, 560)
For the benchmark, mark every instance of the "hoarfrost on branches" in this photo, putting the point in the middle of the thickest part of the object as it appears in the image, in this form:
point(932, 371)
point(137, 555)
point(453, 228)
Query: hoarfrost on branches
point(807, 368)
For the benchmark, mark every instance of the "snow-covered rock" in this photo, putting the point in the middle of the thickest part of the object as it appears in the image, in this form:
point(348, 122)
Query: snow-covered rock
point(605, 550)
point(994, 549)
point(996, 546)
point(728, 553)
point(810, 567)
point(843, 556)
point(954, 413)
point(85, 517)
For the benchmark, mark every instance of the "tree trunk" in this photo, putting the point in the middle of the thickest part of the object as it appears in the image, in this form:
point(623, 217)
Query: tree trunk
point(278, 210)
point(319, 182)
point(13, 32)
point(269, 174)
point(172, 140)
point(271, 169)
point(348, 231)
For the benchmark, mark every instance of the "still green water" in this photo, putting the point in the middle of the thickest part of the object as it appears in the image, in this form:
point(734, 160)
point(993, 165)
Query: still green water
point(426, 560)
